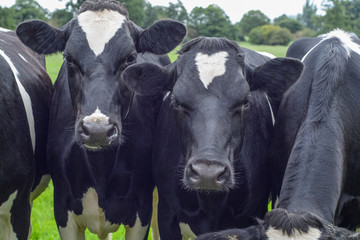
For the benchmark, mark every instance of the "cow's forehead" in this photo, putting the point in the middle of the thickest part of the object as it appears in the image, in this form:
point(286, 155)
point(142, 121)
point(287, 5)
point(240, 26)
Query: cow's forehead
point(211, 66)
point(100, 27)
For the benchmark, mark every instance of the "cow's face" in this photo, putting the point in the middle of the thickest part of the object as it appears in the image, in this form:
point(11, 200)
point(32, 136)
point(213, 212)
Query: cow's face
point(98, 45)
point(211, 99)
point(210, 95)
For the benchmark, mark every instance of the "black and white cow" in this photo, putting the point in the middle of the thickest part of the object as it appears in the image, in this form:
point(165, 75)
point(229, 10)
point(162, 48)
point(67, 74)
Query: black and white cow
point(213, 132)
point(316, 140)
point(25, 96)
point(99, 146)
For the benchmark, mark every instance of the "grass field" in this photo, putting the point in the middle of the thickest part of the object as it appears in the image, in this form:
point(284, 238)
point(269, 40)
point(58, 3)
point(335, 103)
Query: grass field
point(42, 217)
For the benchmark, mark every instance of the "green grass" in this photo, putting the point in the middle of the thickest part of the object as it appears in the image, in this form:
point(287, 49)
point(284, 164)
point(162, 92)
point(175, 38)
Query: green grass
point(278, 51)
point(42, 217)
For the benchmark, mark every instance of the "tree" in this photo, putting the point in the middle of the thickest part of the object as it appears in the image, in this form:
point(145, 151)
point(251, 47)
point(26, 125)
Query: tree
point(280, 19)
point(134, 7)
point(212, 22)
point(28, 9)
point(7, 19)
point(292, 25)
point(307, 17)
point(60, 17)
point(253, 19)
point(344, 14)
point(153, 14)
point(270, 35)
point(336, 16)
point(177, 11)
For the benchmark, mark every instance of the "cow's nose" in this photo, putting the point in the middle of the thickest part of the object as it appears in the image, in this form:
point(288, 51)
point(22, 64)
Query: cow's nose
point(208, 175)
point(96, 134)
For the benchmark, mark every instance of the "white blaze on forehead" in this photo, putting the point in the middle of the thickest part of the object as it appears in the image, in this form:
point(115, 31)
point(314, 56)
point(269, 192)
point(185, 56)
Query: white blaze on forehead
point(25, 98)
point(278, 234)
point(98, 115)
point(100, 27)
point(211, 66)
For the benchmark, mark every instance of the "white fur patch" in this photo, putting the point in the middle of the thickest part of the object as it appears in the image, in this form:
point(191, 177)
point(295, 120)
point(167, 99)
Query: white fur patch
point(138, 231)
point(275, 234)
point(92, 217)
point(271, 110)
point(100, 27)
point(6, 228)
point(186, 231)
point(344, 37)
point(211, 66)
point(25, 98)
point(97, 116)
point(267, 54)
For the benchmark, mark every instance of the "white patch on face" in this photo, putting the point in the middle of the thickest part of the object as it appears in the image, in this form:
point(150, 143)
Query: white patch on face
point(7, 231)
point(22, 57)
point(275, 234)
point(271, 110)
point(97, 116)
point(92, 217)
point(267, 54)
point(186, 231)
point(344, 37)
point(4, 30)
point(211, 66)
point(25, 98)
point(100, 27)
point(138, 231)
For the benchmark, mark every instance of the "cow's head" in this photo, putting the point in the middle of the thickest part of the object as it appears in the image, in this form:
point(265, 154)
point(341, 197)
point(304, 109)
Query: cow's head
point(98, 44)
point(210, 87)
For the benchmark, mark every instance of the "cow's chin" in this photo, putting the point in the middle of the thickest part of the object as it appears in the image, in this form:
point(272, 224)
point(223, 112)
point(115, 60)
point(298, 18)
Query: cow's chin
point(97, 147)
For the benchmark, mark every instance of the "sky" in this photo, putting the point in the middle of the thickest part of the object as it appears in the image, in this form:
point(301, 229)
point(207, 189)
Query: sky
point(235, 9)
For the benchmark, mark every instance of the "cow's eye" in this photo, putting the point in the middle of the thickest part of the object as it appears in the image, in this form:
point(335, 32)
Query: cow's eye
point(181, 107)
point(131, 59)
point(68, 58)
point(246, 103)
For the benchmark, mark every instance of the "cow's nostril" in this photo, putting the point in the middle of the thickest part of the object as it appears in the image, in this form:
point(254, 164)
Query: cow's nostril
point(112, 132)
point(223, 174)
point(193, 173)
point(85, 130)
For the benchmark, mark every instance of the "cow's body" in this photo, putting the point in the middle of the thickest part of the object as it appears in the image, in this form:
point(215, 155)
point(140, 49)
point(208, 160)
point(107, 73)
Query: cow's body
point(117, 182)
point(317, 139)
point(210, 154)
point(25, 95)
point(99, 147)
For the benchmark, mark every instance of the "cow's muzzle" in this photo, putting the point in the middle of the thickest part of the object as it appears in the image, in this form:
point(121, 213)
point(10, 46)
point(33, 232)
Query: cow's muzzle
point(97, 134)
point(208, 175)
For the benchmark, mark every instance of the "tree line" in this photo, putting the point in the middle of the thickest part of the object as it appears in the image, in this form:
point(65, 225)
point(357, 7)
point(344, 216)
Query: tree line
point(254, 26)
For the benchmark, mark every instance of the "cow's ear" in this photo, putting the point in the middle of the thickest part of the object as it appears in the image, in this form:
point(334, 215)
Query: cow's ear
point(147, 79)
point(275, 77)
point(161, 37)
point(41, 37)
